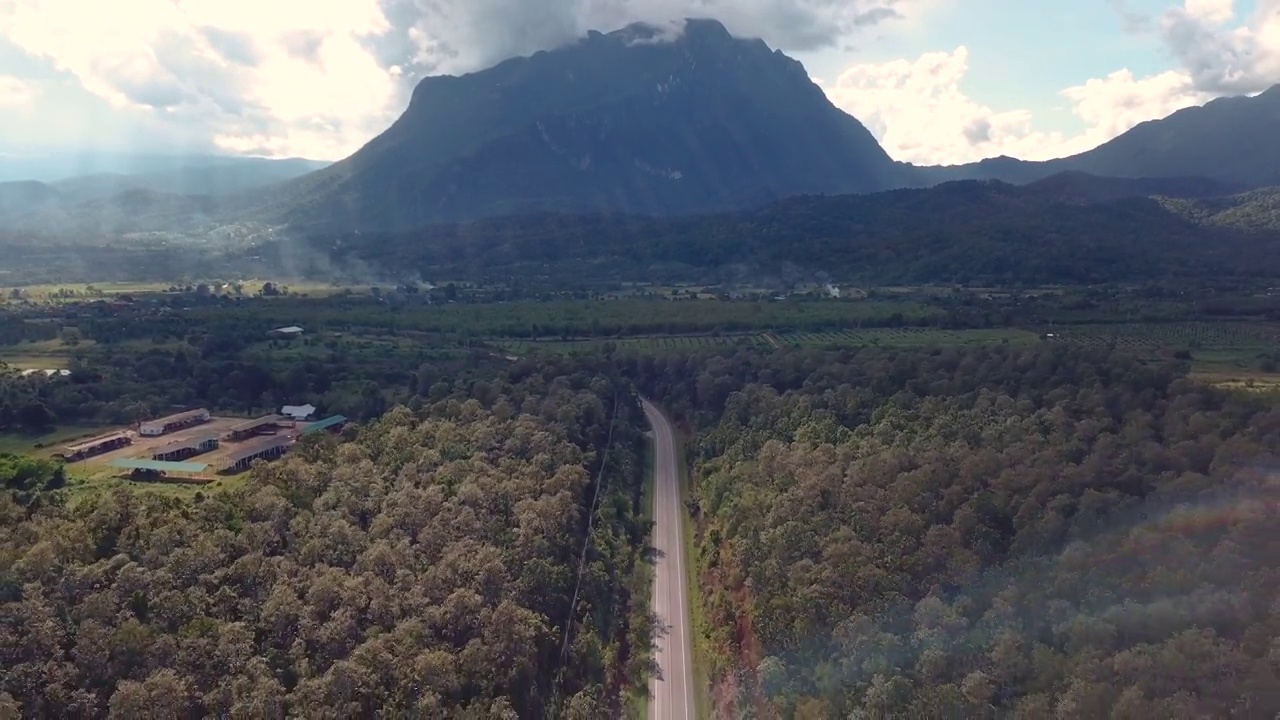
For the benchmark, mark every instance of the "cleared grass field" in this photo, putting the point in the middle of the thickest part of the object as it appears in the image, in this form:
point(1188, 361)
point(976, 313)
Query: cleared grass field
point(79, 292)
point(1227, 352)
point(48, 442)
point(43, 355)
point(87, 481)
point(632, 344)
point(1247, 381)
point(1190, 335)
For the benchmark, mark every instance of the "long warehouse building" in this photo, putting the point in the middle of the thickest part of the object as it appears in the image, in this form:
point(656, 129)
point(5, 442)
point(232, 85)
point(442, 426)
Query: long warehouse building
point(266, 448)
point(95, 446)
point(165, 425)
point(250, 428)
point(180, 450)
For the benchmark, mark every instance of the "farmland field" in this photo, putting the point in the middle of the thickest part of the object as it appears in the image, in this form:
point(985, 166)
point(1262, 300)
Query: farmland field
point(901, 337)
point(42, 355)
point(904, 337)
point(47, 442)
point(1190, 335)
point(632, 344)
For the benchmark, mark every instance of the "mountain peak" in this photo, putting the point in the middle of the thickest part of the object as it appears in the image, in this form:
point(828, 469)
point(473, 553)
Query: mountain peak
point(689, 29)
point(706, 28)
point(650, 119)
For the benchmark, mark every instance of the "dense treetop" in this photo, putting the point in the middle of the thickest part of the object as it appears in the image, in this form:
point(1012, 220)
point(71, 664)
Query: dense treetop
point(423, 567)
point(982, 533)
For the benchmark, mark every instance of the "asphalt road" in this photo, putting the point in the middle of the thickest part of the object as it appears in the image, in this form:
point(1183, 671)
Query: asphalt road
point(671, 693)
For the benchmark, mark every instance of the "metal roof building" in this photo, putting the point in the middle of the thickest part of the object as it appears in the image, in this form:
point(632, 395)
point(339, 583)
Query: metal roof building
point(242, 457)
point(183, 449)
point(96, 445)
point(174, 422)
point(249, 428)
point(325, 424)
point(157, 466)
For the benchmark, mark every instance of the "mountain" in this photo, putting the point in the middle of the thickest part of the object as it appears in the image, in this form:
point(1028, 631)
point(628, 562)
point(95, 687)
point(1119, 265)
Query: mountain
point(967, 231)
point(635, 121)
point(639, 121)
point(1229, 140)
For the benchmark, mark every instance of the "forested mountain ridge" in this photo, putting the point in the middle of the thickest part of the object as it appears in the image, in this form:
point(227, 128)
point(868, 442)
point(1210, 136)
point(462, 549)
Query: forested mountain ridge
point(1050, 232)
point(1252, 212)
point(987, 533)
point(423, 567)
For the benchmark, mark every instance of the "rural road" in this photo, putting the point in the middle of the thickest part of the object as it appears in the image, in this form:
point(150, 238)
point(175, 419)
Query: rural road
point(671, 695)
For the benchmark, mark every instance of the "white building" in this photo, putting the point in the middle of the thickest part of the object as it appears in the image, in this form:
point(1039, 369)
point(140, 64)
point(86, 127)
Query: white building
point(298, 412)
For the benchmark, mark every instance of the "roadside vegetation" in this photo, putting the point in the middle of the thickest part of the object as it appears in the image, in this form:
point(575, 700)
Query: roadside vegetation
point(980, 533)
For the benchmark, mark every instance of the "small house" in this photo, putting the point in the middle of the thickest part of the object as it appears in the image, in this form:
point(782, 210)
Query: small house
point(298, 412)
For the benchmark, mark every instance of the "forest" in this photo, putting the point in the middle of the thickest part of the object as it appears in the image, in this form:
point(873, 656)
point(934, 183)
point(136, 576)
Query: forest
point(985, 533)
point(1006, 529)
point(426, 564)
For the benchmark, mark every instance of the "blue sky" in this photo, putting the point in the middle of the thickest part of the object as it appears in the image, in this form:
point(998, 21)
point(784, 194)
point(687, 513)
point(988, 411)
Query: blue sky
point(938, 81)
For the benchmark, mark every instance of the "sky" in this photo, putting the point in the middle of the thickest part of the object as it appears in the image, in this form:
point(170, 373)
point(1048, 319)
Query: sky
point(937, 81)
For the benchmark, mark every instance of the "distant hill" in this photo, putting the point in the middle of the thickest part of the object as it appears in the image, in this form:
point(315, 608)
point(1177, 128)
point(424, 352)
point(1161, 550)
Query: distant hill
point(215, 179)
point(25, 196)
point(167, 197)
point(186, 168)
point(1074, 186)
point(1252, 212)
point(1234, 141)
point(629, 121)
point(968, 231)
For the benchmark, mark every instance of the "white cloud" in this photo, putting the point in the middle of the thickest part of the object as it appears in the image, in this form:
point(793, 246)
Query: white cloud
point(319, 78)
point(1112, 105)
point(1216, 12)
point(921, 115)
point(16, 92)
point(1223, 58)
point(463, 35)
point(288, 77)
